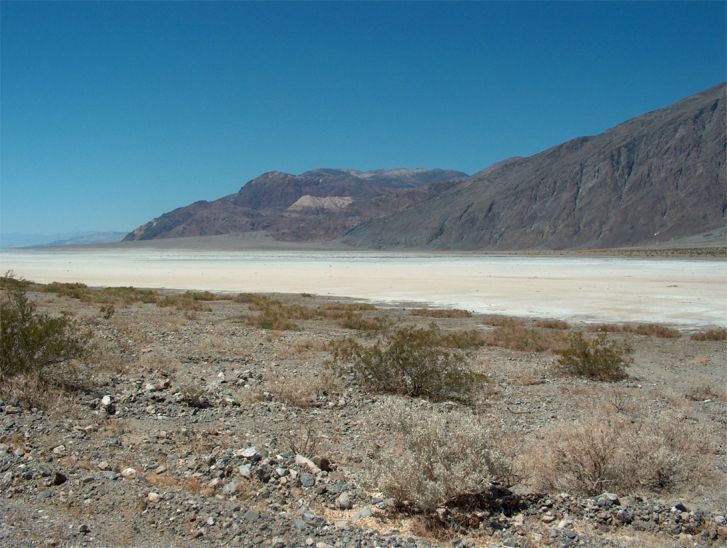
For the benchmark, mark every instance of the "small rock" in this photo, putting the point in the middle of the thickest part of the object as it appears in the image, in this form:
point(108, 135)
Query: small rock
point(128, 472)
point(679, 507)
point(106, 401)
point(364, 513)
point(307, 480)
point(59, 450)
point(103, 465)
point(547, 518)
point(210, 521)
point(84, 529)
point(322, 463)
point(250, 453)
point(230, 488)
point(277, 542)
point(344, 501)
point(58, 479)
point(565, 524)
point(153, 497)
point(245, 471)
point(160, 469)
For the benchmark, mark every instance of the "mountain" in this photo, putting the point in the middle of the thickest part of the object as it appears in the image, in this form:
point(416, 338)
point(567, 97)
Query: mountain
point(655, 178)
point(318, 204)
point(14, 240)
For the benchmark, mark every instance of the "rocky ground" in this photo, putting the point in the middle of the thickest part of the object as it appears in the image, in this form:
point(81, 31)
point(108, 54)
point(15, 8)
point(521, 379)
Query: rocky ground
point(193, 427)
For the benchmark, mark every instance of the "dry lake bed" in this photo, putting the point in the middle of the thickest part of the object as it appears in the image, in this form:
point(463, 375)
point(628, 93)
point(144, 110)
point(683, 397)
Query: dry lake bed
point(687, 293)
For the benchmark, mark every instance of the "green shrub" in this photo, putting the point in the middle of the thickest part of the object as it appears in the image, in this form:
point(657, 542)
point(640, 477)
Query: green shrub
point(409, 362)
point(596, 359)
point(31, 342)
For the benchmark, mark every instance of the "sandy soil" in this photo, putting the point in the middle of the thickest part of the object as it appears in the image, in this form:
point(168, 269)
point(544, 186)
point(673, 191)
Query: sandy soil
point(683, 292)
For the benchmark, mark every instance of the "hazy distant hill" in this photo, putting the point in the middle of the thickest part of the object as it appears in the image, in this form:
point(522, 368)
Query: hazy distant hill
point(11, 240)
point(272, 203)
point(654, 178)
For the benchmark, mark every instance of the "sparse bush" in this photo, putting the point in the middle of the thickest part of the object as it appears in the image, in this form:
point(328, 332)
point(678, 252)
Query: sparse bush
point(352, 320)
point(657, 330)
point(618, 453)
point(441, 313)
point(462, 339)
point(705, 392)
point(273, 317)
point(553, 324)
point(596, 359)
point(31, 342)
point(409, 362)
point(194, 396)
point(710, 335)
point(107, 311)
point(429, 458)
point(516, 336)
point(648, 330)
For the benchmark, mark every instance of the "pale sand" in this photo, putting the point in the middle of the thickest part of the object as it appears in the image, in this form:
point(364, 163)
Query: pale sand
point(681, 292)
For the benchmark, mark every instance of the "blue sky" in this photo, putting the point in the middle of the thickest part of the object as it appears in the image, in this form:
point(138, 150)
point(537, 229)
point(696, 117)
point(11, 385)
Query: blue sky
point(113, 113)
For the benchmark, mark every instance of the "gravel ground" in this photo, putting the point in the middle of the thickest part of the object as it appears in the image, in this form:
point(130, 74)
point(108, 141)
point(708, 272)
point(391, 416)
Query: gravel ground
point(195, 428)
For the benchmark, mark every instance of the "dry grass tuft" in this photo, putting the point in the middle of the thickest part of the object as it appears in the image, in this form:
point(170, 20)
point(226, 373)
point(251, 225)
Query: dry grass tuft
point(704, 392)
point(302, 389)
point(352, 320)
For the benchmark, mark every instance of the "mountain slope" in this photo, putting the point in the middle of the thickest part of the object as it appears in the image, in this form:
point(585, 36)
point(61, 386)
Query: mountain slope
point(654, 178)
point(266, 204)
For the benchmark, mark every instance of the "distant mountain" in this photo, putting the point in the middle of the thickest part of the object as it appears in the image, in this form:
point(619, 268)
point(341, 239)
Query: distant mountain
point(318, 204)
point(15, 240)
point(655, 178)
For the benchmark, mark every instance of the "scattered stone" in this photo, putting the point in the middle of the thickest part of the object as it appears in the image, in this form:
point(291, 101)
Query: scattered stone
point(128, 473)
point(58, 478)
point(364, 513)
point(153, 497)
point(305, 462)
point(344, 501)
point(59, 449)
point(245, 470)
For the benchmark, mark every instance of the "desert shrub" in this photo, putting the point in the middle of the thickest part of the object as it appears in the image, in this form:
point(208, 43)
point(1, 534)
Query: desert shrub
point(462, 339)
point(352, 320)
point(207, 296)
point(31, 342)
point(649, 330)
point(656, 330)
point(429, 458)
point(440, 313)
point(704, 392)
point(273, 317)
point(597, 359)
point(619, 453)
point(182, 301)
point(553, 324)
point(710, 335)
point(516, 336)
point(338, 310)
point(256, 301)
point(410, 362)
point(302, 388)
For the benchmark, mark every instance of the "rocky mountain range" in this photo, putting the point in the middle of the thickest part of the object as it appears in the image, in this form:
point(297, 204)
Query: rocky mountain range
point(653, 179)
point(317, 205)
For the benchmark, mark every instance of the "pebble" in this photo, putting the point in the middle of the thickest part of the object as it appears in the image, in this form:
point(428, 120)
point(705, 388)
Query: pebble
point(153, 497)
point(344, 501)
point(128, 472)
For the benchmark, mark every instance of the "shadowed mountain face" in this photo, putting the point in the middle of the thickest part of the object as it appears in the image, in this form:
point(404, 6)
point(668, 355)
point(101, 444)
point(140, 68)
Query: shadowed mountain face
point(655, 178)
point(316, 205)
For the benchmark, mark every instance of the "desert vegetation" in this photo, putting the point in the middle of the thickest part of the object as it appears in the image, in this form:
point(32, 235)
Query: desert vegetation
point(441, 423)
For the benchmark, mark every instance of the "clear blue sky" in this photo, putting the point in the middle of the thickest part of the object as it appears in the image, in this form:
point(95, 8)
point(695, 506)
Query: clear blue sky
point(113, 113)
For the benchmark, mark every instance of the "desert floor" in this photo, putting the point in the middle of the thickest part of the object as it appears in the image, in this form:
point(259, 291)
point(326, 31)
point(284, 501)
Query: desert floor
point(209, 415)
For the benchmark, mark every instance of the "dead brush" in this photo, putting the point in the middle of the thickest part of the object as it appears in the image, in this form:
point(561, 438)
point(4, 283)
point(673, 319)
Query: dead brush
point(302, 389)
point(306, 439)
point(355, 321)
point(427, 458)
point(440, 313)
point(648, 330)
point(613, 452)
point(719, 334)
point(704, 392)
point(516, 336)
point(553, 324)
